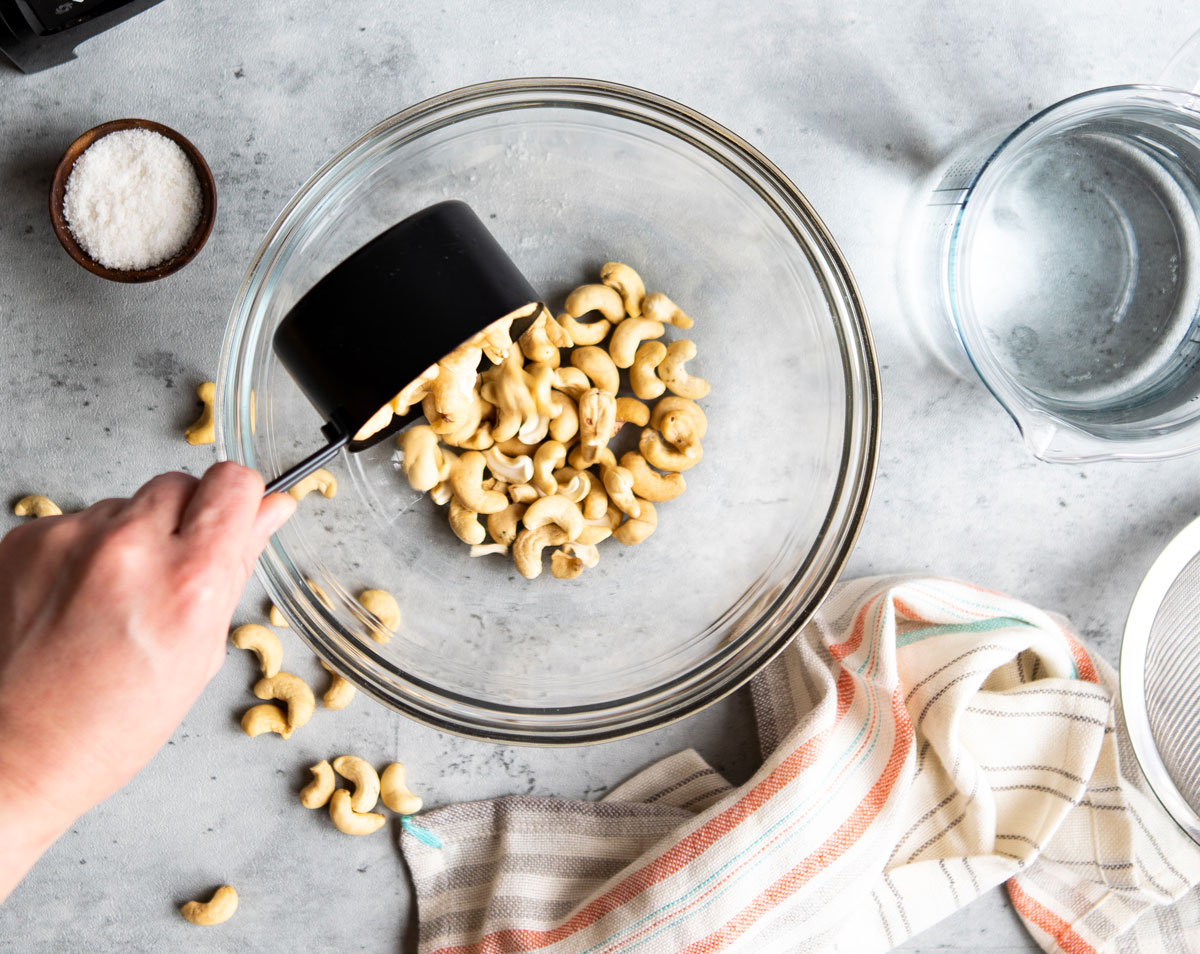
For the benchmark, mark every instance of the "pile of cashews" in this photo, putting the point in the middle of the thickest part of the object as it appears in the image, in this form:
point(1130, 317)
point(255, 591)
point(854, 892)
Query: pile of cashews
point(530, 434)
point(352, 812)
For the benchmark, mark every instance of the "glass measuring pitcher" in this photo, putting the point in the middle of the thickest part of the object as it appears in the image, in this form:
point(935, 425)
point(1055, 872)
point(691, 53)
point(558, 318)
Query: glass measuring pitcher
point(1064, 259)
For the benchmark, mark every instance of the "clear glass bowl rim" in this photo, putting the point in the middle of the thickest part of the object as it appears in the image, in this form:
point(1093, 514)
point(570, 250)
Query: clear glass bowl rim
point(724, 671)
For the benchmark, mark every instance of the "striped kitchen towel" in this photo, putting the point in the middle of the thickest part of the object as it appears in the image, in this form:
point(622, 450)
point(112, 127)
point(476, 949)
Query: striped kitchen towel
point(923, 740)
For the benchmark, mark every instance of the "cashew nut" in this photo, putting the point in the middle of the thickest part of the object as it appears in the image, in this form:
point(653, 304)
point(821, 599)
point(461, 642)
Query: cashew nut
point(627, 283)
point(515, 470)
point(564, 417)
point(548, 458)
point(555, 509)
point(573, 484)
point(636, 529)
point(382, 605)
point(649, 484)
point(423, 458)
point(632, 411)
point(316, 793)
point(595, 504)
point(584, 333)
point(618, 481)
point(489, 549)
point(465, 523)
point(339, 695)
point(36, 505)
point(347, 820)
point(291, 690)
point(527, 548)
point(216, 910)
point(570, 559)
point(319, 593)
point(263, 643)
point(594, 534)
point(395, 792)
point(681, 422)
point(660, 454)
point(523, 493)
point(659, 307)
point(375, 423)
point(265, 718)
point(320, 480)
point(597, 422)
point(453, 389)
point(629, 335)
point(466, 480)
point(508, 387)
point(534, 429)
point(675, 376)
point(414, 392)
point(541, 381)
point(604, 457)
point(276, 618)
point(598, 366)
point(571, 381)
point(515, 448)
point(599, 298)
point(535, 342)
point(365, 779)
point(643, 373)
point(204, 430)
point(504, 526)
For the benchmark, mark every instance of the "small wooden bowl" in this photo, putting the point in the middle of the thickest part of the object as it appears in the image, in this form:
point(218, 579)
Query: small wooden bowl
point(208, 206)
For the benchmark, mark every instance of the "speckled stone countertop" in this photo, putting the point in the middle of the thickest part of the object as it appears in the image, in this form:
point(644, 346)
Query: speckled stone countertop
point(855, 102)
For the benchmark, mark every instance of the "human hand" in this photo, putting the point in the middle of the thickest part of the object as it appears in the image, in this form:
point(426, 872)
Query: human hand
point(112, 621)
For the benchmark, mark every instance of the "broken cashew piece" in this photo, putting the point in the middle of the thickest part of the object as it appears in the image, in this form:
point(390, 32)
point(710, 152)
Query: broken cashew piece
point(263, 643)
point(660, 454)
point(629, 336)
point(466, 480)
point(648, 483)
point(320, 480)
point(347, 820)
point(276, 618)
point(265, 718)
point(316, 793)
point(557, 510)
point(675, 376)
point(643, 373)
point(422, 457)
point(659, 307)
point(365, 779)
point(527, 548)
point(601, 298)
point(291, 690)
point(204, 430)
point(627, 283)
point(216, 910)
point(395, 791)
point(598, 365)
point(636, 529)
point(36, 505)
point(340, 693)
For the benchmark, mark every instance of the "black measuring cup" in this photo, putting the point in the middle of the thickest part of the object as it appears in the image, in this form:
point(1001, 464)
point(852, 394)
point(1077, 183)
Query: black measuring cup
point(399, 304)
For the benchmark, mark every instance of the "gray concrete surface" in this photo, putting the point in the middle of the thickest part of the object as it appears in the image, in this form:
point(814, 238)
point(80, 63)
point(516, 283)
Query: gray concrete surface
point(853, 100)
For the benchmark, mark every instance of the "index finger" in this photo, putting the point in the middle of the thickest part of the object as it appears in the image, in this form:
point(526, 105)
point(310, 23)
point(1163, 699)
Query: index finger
point(222, 511)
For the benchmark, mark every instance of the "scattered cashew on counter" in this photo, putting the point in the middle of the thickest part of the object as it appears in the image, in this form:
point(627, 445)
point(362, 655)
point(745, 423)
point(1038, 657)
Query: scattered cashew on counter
point(352, 812)
point(347, 820)
point(524, 450)
point(316, 794)
point(364, 778)
point(394, 791)
point(204, 430)
point(291, 690)
point(216, 910)
point(36, 505)
point(263, 643)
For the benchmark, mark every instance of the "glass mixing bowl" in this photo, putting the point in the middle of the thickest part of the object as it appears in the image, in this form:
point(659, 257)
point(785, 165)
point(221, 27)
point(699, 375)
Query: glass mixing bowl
point(569, 174)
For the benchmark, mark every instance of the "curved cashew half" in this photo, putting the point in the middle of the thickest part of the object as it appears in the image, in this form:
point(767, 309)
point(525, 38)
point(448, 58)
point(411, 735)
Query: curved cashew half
point(365, 779)
point(547, 459)
point(660, 454)
point(571, 381)
point(514, 470)
point(504, 526)
point(347, 820)
point(598, 366)
point(423, 458)
point(36, 505)
point(263, 643)
point(339, 695)
point(216, 910)
point(618, 481)
point(643, 374)
point(628, 337)
point(599, 298)
point(204, 430)
point(564, 417)
point(681, 422)
point(316, 793)
point(291, 690)
point(659, 307)
point(465, 524)
point(320, 480)
point(265, 718)
point(597, 422)
point(466, 480)
point(648, 483)
point(395, 792)
point(555, 509)
point(527, 548)
point(636, 529)
point(632, 411)
point(675, 376)
point(584, 333)
point(627, 283)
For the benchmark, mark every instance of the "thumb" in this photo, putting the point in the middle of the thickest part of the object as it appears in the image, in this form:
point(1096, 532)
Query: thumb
point(273, 513)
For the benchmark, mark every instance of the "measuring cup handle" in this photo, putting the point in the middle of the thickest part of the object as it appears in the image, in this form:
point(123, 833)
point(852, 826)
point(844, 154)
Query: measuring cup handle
point(295, 474)
point(1183, 70)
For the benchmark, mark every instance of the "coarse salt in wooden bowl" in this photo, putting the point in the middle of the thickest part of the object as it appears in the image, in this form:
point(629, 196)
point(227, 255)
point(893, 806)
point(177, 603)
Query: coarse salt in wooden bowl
point(189, 249)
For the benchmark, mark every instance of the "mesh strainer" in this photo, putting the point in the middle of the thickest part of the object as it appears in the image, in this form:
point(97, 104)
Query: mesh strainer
point(1160, 678)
